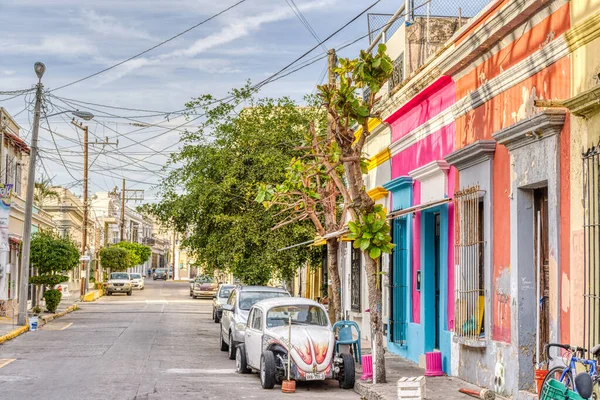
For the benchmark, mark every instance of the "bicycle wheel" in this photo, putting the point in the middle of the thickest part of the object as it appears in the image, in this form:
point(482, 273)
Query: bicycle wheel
point(596, 390)
point(556, 373)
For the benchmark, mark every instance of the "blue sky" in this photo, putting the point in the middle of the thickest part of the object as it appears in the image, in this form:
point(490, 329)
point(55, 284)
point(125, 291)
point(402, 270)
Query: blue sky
point(75, 38)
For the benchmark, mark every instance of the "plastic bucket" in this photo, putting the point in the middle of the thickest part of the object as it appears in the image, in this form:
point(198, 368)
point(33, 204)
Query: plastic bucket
point(540, 375)
point(33, 323)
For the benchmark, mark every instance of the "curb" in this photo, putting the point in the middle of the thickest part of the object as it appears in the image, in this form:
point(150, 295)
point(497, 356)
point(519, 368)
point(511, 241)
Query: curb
point(14, 333)
point(44, 320)
point(92, 295)
point(366, 391)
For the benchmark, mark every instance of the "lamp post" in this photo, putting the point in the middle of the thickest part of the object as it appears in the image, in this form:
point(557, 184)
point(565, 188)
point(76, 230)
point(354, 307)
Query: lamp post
point(39, 68)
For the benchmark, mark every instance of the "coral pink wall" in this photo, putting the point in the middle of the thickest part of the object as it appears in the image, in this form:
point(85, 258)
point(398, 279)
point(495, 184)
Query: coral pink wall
point(430, 102)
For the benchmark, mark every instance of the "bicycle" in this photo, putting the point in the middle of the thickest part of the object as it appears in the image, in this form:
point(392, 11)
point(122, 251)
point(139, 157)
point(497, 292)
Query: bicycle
point(565, 374)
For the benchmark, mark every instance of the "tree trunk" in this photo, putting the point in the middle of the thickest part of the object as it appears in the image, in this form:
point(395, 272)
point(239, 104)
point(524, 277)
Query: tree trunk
point(376, 319)
point(333, 274)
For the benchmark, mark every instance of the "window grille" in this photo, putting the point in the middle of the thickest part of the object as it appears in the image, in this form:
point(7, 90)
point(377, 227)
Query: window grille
point(469, 291)
point(591, 248)
point(355, 281)
point(397, 73)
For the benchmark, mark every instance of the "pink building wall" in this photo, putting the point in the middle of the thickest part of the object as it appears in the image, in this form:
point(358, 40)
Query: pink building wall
point(426, 105)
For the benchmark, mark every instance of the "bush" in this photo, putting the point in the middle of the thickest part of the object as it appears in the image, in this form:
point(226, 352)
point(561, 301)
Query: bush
point(36, 310)
point(52, 298)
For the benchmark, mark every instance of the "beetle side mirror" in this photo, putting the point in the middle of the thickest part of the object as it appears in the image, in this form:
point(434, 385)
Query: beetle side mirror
point(191, 280)
point(228, 307)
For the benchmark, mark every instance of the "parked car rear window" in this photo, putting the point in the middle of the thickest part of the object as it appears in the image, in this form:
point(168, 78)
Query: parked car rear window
point(117, 275)
point(302, 315)
point(224, 292)
point(248, 299)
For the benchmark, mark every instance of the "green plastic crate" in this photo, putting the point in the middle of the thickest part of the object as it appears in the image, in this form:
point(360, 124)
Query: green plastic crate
point(555, 390)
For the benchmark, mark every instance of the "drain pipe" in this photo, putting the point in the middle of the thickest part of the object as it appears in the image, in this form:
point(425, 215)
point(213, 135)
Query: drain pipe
point(539, 283)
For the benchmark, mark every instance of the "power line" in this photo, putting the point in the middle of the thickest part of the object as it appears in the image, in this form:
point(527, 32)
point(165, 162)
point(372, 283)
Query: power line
point(151, 48)
point(304, 21)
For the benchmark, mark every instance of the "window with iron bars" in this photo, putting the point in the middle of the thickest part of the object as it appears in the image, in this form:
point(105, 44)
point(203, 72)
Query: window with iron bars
point(397, 73)
point(469, 272)
point(591, 251)
point(355, 279)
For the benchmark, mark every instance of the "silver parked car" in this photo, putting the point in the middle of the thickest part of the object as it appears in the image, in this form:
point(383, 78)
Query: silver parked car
point(235, 313)
point(219, 299)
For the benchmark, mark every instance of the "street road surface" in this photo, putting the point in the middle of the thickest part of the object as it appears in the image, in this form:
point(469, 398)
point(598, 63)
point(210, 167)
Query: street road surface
point(156, 344)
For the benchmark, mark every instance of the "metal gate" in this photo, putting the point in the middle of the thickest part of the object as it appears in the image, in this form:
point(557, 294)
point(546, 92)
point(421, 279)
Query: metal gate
point(398, 283)
point(591, 246)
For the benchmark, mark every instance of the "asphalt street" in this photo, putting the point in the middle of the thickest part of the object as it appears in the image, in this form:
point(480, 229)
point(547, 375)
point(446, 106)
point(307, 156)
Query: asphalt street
point(156, 344)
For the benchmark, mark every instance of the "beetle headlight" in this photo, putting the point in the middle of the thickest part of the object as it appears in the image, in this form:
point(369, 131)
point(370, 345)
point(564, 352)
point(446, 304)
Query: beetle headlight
point(240, 327)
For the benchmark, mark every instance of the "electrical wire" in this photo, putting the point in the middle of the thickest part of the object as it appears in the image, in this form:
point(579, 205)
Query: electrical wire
point(304, 21)
point(151, 48)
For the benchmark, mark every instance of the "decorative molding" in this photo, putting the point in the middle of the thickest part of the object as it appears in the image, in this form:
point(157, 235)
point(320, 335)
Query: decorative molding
point(586, 103)
point(377, 193)
point(540, 126)
point(372, 124)
point(584, 32)
point(571, 40)
point(473, 154)
point(429, 170)
point(453, 57)
point(509, 17)
point(379, 159)
point(398, 183)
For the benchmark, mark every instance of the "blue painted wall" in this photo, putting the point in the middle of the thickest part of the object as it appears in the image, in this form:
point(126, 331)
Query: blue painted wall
point(420, 337)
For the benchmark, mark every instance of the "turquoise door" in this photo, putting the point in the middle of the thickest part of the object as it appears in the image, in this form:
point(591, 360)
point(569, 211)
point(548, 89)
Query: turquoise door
point(399, 279)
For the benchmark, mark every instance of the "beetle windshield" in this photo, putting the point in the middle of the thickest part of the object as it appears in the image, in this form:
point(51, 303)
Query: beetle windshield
point(301, 314)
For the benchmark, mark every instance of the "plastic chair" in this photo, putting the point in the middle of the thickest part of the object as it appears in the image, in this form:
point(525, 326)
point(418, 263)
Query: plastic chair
point(345, 337)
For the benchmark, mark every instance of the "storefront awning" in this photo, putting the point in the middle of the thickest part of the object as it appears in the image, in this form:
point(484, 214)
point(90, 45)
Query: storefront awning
point(420, 207)
point(395, 214)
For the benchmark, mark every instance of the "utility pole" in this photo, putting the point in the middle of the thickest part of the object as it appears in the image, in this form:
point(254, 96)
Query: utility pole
point(123, 210)
point(331, 61)
point(40, 68)
point(174, 245)
point(136, 195)
point(83, 282)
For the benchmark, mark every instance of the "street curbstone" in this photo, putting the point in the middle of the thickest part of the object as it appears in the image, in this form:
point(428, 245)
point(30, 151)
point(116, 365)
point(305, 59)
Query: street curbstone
point(92, 295)
point(14, 333)
point(43, 320)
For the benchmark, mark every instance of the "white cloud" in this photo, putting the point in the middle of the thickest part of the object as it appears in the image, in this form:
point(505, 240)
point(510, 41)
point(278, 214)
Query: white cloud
point(243, 27)
point(107, 25)
point(57, 45)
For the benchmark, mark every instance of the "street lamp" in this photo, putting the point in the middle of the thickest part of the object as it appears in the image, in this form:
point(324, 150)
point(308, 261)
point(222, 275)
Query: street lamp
point(39, 69)
point(84, 115)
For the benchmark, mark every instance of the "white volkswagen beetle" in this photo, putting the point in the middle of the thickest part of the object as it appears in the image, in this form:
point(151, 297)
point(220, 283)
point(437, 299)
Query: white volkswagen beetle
point(266, 344)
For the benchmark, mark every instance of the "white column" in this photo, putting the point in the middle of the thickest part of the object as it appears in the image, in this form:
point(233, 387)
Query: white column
point(176, 264)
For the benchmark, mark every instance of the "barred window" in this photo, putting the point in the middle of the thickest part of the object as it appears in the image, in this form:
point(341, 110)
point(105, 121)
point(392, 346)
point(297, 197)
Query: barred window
point(591, 252)
point(355, 281)
point(397, 73)
point(469, 263)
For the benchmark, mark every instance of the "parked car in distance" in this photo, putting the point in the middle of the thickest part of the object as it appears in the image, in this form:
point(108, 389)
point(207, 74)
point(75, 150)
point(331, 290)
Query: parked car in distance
point(160, 273)
point(137, 281)
point(267, 344)
point(204, 287)
point(219, 299)
point(119, 282)
point(235, 313)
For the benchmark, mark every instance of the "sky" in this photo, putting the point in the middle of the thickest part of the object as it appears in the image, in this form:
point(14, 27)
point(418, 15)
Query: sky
point(76, 38)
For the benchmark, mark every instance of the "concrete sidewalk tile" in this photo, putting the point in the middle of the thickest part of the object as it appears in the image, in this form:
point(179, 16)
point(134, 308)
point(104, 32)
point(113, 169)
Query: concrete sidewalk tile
point(437, 388)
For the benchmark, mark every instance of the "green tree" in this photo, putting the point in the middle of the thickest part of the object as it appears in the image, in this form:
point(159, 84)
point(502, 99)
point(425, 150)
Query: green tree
point(138, 253)
point(115, 258)
point(309, 192)
point(53, 257)
point(211, 188)
point(369, 229)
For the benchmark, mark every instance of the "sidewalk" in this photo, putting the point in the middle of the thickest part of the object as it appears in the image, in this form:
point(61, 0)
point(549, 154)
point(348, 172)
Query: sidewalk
point(10, 329)
point(437, 388)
